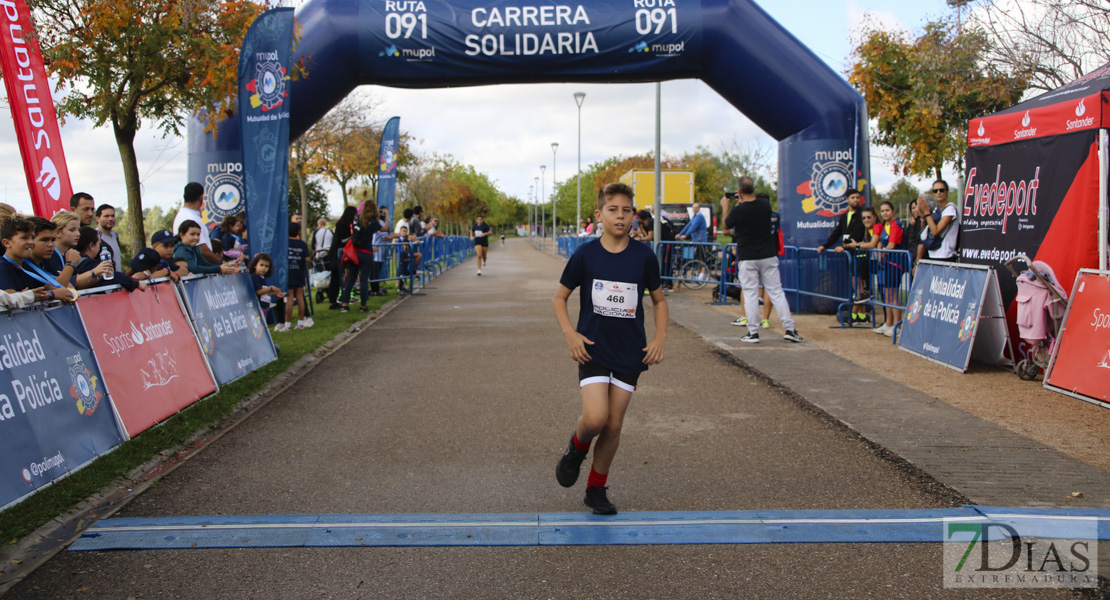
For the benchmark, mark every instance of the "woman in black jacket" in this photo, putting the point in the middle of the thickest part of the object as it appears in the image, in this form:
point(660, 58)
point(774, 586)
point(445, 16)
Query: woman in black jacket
point(338, 241)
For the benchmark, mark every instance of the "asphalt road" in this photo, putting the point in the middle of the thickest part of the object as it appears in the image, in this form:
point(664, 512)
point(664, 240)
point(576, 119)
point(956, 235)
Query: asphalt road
point(461, 401)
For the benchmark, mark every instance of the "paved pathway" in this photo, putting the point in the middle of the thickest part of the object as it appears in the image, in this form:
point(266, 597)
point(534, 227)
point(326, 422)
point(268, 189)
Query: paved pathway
point(460, 401)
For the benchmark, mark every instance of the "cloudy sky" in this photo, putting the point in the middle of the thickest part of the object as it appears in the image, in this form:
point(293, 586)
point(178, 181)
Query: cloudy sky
point(507, 131)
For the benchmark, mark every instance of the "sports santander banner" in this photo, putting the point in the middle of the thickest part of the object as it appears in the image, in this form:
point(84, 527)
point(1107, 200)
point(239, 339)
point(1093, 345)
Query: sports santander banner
point(264, 113)
point(55, 414)
point(1037, 197)
point(387, 163)
point(1081, 361)
point(152, 364)
point(36, 124)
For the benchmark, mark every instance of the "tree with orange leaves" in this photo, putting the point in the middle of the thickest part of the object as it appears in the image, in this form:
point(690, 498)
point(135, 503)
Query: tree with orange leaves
point(126, 62)
point(923, 91)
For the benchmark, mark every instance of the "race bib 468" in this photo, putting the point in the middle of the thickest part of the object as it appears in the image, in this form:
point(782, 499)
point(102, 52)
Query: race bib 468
point(615, 298)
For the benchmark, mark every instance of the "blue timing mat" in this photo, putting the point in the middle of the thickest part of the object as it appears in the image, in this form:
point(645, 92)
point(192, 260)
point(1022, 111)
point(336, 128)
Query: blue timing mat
point(570, 529)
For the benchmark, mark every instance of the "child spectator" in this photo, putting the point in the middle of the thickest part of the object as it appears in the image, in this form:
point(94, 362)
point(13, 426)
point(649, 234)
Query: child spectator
point(298, 277)
point(404, 259)
point(187, 254)
point(153, 262)
point(609, 343)
point(17, 236)
point(93, 272)
point(65, 259)
point(259, 268)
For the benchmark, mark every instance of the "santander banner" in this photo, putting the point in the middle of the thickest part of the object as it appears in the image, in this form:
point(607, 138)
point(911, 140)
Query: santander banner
point(1081, 365)
point(36, 124)
point(1078, 114)
point(146, 348)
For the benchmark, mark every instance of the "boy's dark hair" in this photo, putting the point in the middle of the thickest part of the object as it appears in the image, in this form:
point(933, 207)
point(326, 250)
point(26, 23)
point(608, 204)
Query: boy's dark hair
point(41, 224)
point(76, 199)
point(185, 226)
point(408, 213)
point(15, 225)
point(104, 207)
point(294, 229)
point(261, 256)
point(217, 245)
point(193, 192)
point(87, 236)
point(418, 210)
point(612, 189)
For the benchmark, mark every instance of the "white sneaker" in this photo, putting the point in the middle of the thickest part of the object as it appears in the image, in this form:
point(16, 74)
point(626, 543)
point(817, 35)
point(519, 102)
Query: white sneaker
point(889, 332)
point(881, 329)
point(280, 327)
point(307, 323)
point(479, 271)
point(300, 324)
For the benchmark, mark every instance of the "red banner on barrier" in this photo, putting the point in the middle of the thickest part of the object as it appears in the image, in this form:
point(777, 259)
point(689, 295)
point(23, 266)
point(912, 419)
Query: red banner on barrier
point(150, 358)
point(1081, 361)
point(36, 124)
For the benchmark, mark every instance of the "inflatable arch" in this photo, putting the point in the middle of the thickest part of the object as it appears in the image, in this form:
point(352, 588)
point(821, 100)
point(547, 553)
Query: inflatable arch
point(731, 45)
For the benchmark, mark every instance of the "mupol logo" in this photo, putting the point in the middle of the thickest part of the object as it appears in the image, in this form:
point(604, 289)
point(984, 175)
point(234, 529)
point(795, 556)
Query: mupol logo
point(640, 47)
point(829, 182)
point(391, 50)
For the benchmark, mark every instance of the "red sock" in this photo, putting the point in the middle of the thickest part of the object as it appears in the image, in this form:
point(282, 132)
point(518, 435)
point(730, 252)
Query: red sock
point(597, 479)
point(579, 446)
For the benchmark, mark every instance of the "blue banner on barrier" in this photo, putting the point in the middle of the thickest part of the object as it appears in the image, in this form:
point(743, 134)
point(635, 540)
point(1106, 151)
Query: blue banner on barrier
point(55, 415)
point(232, 333)
point(943, 312)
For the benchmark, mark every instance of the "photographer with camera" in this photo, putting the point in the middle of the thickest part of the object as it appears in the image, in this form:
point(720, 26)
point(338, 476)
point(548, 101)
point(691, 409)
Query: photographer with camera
point(758, 261)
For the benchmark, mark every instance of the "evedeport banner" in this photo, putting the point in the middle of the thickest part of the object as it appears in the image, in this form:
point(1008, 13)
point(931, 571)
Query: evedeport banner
point(55, 414)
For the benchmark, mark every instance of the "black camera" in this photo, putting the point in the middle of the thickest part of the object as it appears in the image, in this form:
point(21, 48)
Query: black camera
point(732, 195)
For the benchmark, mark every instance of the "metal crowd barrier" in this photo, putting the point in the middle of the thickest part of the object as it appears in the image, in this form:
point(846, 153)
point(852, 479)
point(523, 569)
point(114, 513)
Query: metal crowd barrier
point(695, 264)
point(568, 245)
point(842, 276)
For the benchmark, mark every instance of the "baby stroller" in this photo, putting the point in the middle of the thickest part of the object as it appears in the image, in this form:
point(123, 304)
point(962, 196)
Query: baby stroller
point(1041, 303)
point(320, 276)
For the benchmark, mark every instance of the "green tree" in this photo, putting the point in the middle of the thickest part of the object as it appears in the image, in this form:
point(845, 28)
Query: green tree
point(923, 91)
point(126, 62)
point(315, 198)
point(901, 193)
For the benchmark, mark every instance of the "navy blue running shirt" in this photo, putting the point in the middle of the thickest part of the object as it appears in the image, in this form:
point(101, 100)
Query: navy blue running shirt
point(618, 281)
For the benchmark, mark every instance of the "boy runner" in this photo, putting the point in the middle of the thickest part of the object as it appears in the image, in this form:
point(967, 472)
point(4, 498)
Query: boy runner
point(609, 344)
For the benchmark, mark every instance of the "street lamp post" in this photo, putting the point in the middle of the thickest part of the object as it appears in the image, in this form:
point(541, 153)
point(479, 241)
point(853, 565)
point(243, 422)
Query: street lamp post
point(554, 227)
point(543, 207)
point(531, 210)
point(578, 98)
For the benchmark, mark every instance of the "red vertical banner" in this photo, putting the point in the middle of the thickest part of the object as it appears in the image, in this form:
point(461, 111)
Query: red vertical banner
point(36, 124)
point(148, 353)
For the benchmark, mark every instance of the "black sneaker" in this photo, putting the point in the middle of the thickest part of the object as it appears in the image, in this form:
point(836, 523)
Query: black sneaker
point(862, 298)
point(597, 500)
point(751, 338)
point(566, 472)
point(792, 336)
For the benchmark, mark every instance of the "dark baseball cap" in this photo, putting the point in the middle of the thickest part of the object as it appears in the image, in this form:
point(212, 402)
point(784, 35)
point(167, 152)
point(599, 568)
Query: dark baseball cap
point(161, 236)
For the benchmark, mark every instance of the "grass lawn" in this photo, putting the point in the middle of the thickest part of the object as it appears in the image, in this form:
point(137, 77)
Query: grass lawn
point(65, 494)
